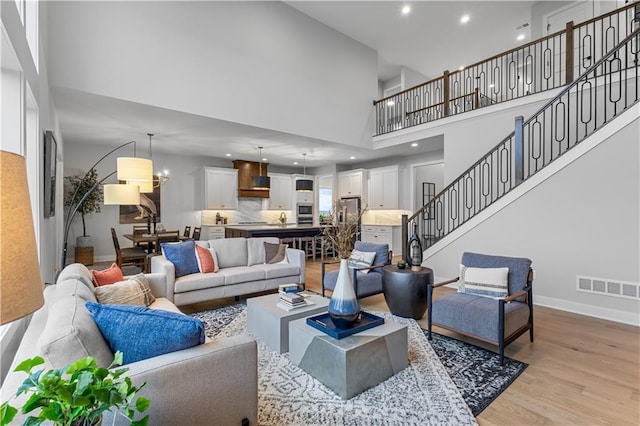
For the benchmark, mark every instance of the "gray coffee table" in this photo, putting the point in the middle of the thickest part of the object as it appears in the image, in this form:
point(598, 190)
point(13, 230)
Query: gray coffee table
point(270, 323)
point(353, 364)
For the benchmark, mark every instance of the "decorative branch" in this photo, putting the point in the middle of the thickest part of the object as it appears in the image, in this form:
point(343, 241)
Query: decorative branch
point(343, 233)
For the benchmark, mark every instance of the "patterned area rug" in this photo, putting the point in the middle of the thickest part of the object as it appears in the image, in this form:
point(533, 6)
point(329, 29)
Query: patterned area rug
point(421, 394)
point(476, 371)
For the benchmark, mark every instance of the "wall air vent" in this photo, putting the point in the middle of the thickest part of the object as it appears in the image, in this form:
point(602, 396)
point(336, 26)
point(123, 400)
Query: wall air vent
point(608, 287)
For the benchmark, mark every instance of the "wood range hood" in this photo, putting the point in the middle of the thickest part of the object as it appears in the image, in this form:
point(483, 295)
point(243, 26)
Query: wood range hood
point(246, 170)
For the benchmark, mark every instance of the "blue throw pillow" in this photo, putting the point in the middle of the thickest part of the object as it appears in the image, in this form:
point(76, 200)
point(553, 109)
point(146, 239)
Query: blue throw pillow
point(183, 257)
point(140, 332)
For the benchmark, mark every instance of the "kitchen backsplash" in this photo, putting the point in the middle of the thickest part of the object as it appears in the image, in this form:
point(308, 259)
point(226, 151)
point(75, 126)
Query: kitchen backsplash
point(249, 210)
point(383, 217)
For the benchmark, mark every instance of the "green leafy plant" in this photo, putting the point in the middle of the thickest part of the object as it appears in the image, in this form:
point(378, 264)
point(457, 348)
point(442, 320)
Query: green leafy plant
point(77, 394)
point(76, 187)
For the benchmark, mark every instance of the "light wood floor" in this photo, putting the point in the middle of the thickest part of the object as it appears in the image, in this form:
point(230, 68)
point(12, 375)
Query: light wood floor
point(582, 370)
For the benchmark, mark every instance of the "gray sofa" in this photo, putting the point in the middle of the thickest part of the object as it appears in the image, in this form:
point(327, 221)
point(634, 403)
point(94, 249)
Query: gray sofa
point(212, 383)
point(242, 270)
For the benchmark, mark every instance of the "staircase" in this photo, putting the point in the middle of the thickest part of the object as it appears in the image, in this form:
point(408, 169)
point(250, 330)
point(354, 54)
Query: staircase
point(603, 92)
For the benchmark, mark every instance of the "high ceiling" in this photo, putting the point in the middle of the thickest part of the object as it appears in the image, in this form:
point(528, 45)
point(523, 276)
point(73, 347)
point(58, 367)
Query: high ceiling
point(429, 40)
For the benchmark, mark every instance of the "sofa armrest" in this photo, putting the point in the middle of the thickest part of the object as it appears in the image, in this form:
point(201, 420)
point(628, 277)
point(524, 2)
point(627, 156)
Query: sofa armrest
point(160, 265)
point(297, 257)
point(158, 284)
point(217, 380)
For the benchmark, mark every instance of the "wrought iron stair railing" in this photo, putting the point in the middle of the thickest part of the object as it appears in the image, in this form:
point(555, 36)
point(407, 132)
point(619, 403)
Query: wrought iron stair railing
point(534, 67)
point(604, 91)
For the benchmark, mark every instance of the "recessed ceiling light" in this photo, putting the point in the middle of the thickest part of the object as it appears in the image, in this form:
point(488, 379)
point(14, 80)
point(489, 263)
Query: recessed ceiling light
point(461, 68)
point(464, 19)
point(295, 163)
point(406, 9)
point(520, 37)
point(227, 155)
point(352, 158)
point(264, 159)
point(414, 144)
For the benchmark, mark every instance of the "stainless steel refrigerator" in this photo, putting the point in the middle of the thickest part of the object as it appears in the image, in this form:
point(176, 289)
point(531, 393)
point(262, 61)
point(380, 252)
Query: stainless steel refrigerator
point(348, 210)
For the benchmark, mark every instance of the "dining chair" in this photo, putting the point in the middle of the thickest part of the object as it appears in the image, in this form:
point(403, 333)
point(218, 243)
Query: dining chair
point(139, 230)
point(166, 237)
point(187, 232)
point(130, 255)
point(196, 232)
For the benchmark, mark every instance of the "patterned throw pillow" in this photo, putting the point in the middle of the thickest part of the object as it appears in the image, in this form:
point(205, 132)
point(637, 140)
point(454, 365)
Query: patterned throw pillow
point(142, 333)
point(361, 259)
point(489, 282)
point(112, 274)
point(206, 263)
point(183, 257)
point(134, 291)
point(275, 253)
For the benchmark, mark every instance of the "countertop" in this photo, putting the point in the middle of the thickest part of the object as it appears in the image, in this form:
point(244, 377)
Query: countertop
point(268, 226)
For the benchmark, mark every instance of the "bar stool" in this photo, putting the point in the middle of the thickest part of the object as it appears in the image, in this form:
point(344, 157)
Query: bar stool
point(312, 246)
point(291, 242)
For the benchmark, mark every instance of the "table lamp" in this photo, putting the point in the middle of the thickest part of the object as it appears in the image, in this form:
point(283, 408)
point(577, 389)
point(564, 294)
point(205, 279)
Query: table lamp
point(21, 287)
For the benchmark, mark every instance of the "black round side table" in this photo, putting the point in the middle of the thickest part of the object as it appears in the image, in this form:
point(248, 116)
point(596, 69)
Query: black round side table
point(405, 291)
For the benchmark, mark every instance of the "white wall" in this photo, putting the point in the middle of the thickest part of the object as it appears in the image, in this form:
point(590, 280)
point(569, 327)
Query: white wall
point(258, 63)
point(581, 221)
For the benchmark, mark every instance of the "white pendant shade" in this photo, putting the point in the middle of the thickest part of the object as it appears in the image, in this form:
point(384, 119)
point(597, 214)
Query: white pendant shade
point(127, 195)
point(135, 169)
point(146, 186)
point(20, 283)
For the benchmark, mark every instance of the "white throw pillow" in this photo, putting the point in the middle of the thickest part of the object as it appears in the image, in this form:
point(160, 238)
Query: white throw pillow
point(361, 259)
point(488, 282)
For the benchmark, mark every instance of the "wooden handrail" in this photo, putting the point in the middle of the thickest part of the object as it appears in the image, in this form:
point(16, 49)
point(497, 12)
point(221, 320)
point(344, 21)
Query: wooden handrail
point(407, 90)
point(606, 15)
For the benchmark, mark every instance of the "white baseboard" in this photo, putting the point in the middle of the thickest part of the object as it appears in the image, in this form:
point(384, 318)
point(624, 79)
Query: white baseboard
point(588, 310)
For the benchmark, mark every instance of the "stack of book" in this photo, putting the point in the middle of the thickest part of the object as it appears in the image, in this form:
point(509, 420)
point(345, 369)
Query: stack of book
point(290, 301)
point(288, 288)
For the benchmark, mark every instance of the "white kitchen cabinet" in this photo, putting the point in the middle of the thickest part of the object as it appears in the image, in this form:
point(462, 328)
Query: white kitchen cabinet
point(220, 188)
point(351, 183)
point(383, 188)
point(383, 234)
point(280, 193)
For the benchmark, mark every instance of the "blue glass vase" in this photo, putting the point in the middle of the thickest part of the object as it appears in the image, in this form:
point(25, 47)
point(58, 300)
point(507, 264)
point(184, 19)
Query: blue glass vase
point(343, 305)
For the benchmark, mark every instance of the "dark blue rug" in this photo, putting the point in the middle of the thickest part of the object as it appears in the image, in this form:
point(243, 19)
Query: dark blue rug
point(476, 371)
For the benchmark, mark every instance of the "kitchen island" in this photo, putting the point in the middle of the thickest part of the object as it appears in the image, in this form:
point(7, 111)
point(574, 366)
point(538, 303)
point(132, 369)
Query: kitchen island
point(281, 231)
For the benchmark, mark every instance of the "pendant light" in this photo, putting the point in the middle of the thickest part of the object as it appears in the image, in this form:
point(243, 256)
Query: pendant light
point(146, 187)
point(260, 182)
point(304, 185)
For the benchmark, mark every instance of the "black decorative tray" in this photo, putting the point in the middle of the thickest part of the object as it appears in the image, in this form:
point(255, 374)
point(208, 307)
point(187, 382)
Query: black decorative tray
point(324, 323)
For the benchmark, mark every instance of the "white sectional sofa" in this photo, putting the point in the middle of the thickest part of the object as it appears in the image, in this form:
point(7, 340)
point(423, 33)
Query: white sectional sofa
point(212, 383)
point(242, 270)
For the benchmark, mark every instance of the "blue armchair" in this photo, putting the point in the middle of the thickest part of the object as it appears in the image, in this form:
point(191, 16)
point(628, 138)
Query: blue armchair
point(364, 284)
point(497, 320)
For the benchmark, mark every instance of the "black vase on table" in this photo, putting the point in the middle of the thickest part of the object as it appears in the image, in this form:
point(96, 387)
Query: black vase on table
point(414, 250)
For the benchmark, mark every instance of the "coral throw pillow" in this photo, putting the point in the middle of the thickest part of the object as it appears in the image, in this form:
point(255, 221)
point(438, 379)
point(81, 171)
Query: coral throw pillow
point(111, 275)
point(206, 263)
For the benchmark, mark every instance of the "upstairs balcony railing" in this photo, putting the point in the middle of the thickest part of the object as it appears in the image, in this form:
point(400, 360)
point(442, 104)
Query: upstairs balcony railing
point(531, 68)
point(604, 91)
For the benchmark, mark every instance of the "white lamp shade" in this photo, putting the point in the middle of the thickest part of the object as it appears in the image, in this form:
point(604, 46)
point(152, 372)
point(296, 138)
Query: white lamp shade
point(125, 195)
point(146, 186)
point(135, 169)
point(21, 288)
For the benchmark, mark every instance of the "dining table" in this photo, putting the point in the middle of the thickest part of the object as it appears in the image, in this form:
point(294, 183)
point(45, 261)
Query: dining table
point(149, 239)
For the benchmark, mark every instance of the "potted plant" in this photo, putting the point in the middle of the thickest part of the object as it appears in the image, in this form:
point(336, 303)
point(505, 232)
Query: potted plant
point(77, 394)
point(76, 186)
